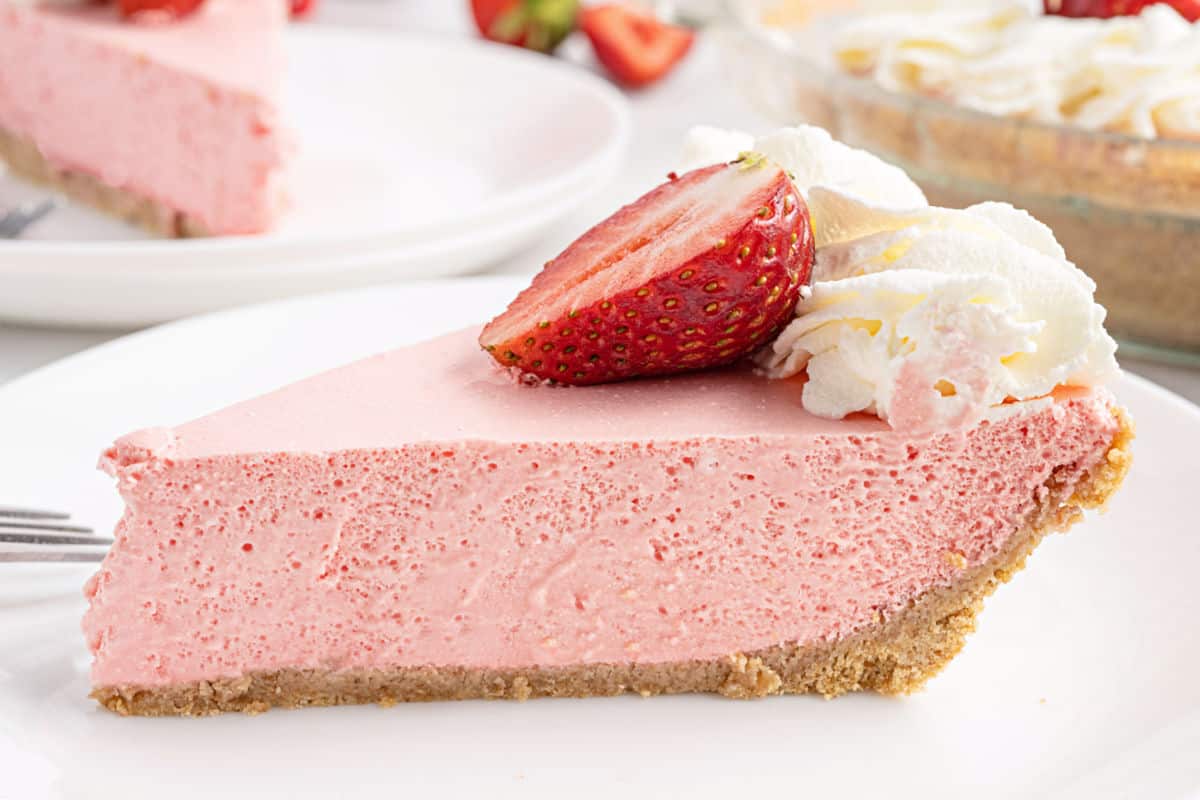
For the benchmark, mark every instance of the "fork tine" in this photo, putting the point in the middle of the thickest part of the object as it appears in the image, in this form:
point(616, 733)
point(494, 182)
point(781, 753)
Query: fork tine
point(11, 223)
point(14, 223)
point(30, 513)
point(42, 526)
point(40, 210)
point(28, 534)
point(7, 537)
point(72, 554)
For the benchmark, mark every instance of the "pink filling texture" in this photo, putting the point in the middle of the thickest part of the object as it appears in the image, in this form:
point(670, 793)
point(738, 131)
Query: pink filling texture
point(421, 508)
point(183, 113)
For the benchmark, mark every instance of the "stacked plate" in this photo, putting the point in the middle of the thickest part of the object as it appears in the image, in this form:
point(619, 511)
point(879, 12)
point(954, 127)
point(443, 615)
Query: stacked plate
point(393, 180)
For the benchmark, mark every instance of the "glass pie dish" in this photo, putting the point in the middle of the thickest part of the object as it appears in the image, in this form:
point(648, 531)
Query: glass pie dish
point(1126, 209)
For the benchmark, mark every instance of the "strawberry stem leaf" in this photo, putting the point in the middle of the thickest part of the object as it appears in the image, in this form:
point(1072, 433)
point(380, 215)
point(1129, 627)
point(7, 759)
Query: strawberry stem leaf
point(537, 24)
point(748, 160)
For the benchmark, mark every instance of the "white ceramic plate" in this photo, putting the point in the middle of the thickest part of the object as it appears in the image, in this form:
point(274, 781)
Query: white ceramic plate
point(1080, 682)
point(425, 156)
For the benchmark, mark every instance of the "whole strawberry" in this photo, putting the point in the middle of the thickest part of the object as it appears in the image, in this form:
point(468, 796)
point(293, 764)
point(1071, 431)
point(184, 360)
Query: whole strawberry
point(534, 24)
point(698, 273)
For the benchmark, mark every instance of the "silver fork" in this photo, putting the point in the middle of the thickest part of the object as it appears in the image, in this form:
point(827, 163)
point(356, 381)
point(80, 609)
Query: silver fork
point(14, 221)
point(28, 534)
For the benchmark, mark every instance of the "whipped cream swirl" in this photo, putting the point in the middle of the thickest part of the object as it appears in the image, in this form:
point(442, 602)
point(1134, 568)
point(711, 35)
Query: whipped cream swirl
point(1138, 75)
point(926, 317)
point(930, 316)
point(813, 158)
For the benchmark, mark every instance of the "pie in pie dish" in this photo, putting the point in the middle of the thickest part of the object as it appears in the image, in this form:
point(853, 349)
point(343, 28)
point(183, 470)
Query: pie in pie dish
point(588, 507)
point(1093, 125)
point(173, 126)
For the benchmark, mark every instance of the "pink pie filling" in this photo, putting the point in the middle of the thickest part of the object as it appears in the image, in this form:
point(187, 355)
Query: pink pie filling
point(182, 113)
point(421, 508)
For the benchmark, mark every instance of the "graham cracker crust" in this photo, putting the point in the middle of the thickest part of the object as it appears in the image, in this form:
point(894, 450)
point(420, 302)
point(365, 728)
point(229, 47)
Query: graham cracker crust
point(896, 655)
point(26, 161)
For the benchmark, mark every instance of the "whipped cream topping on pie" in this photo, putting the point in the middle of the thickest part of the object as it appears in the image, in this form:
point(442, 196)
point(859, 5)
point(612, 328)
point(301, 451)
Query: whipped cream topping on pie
point(927, 317)
point(931, 316)
point(813, 158)
point(1138, 75)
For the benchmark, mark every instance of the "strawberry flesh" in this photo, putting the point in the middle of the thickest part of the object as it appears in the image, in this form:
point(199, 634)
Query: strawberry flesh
point(1103, 9)
point(635, 47)
point(698, 273)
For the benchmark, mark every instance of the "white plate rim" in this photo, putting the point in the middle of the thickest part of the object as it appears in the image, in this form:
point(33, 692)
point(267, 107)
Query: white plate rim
point(325, 262)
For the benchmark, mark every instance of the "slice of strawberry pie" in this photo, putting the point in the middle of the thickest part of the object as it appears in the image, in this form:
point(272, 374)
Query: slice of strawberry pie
point(435, 523)
point(172, 124)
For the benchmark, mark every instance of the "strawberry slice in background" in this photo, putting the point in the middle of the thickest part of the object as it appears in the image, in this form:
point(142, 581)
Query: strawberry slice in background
point(633, 45)
point(698, 273)
point(299, 9)
point(1103, 9)
point(171, 9)
point(534, 24)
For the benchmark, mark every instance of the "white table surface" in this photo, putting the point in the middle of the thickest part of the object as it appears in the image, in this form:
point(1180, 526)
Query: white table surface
point(697, 93)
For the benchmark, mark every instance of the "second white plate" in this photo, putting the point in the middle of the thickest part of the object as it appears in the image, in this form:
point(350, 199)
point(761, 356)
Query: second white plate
point(421, 157)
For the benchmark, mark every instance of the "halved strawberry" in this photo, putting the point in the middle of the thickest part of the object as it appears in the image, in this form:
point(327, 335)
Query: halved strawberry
point(698, 273)
point(634, 45)
point(535, 24)
point(172, 9)
point(1104, 9)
